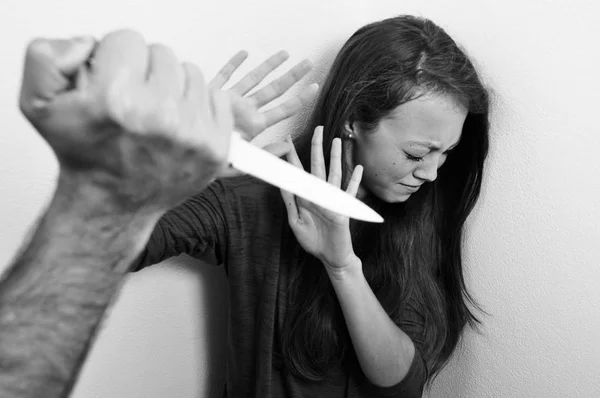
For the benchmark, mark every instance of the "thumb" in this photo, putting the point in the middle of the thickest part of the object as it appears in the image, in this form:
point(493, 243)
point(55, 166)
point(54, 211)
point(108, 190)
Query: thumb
point(278, 149)
point(49, 68)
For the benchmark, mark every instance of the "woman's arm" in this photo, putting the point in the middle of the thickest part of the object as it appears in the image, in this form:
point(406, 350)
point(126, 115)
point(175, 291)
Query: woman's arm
point(384, 351)
point(386, 354)
point(196, 227)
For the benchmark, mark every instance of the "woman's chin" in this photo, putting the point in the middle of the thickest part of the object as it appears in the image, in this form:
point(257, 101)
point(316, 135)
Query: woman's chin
point(390, 196)
point(399, 198)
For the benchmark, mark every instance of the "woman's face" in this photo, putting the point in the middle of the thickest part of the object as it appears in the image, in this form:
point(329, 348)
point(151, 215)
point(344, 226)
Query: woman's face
point(407, 147)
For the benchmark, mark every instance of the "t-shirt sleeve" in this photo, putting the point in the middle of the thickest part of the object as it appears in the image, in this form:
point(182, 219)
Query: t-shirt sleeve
point(411, 386)
point(197, 227)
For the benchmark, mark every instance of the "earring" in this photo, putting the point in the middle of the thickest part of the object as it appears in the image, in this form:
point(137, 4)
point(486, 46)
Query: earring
point(347, 135)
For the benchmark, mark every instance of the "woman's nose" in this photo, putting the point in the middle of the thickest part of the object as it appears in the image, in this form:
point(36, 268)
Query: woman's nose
point(427, 171)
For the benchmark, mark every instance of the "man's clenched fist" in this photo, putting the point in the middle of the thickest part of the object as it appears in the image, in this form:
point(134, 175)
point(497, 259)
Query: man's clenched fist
point(126, 117)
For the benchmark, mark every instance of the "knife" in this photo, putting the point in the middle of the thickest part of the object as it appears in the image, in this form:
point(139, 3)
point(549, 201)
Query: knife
point(259, 163)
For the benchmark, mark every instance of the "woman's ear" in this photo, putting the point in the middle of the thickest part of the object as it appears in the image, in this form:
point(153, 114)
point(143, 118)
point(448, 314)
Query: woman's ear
point(349, 131)
point(349, 155)
point(348, 148)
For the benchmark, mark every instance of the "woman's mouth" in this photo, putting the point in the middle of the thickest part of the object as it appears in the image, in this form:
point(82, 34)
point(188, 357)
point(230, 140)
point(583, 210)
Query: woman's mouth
point(411, 188)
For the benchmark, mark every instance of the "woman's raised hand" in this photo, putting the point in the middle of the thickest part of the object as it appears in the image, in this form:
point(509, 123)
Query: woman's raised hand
point(323, 233)
point(250, 120)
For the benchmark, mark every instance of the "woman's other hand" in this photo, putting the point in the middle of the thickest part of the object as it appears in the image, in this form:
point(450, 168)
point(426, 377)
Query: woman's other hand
point(249, 119)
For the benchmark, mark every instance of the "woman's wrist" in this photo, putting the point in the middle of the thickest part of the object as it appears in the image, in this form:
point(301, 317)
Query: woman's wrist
point(342, 270)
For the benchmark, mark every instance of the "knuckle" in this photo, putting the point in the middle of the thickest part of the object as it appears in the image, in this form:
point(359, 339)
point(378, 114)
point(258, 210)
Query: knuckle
point(194, 73)
point(275, 88)
point(25, 106)
point(161, 50)
point(297, 74)
point(227, 70)
point(38, 46)
point(111, 100)
point(125, 34)
point(254, 77)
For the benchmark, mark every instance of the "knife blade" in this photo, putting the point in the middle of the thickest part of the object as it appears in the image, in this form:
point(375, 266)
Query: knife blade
point(261, 164)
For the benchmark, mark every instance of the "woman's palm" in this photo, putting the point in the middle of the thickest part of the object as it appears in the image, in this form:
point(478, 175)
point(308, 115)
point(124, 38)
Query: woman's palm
point(322, 233)
point(315, 226)
point(249, 119)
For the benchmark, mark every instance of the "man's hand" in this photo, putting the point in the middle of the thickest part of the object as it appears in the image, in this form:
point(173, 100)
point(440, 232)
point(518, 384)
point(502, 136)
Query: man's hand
point(125, 118)
point(135, 132)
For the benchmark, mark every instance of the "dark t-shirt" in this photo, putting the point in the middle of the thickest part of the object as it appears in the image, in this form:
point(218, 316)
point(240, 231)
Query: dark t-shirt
point(242, 223)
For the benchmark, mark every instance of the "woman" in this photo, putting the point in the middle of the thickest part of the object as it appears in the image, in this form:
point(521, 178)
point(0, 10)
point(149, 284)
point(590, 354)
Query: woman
point(320, 306)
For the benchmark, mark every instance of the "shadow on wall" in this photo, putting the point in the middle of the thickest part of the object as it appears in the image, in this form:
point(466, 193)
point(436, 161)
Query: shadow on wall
point(212, 318)
point(208, 311)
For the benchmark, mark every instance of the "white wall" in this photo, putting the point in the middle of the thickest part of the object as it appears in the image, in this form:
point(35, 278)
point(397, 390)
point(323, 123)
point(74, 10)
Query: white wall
point(533, 246)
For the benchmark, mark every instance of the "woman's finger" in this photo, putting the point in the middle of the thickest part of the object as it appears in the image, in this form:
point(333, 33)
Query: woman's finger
point(228, 70)
point(317, 163)
point(290, 204)
point(292, 155)
point(278, 87)
point(335, 163)
point(354, 183)
point(293, 211)
point(291, 106)
point(253, 78)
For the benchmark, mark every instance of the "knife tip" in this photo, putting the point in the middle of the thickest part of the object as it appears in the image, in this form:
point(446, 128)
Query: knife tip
point(373, 217)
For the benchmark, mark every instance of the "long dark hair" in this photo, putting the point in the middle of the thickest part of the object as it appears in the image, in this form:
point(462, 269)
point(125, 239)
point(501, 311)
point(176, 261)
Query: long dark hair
point(413, 260)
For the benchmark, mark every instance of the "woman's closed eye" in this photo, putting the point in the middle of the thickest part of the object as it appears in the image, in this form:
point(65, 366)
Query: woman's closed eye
point(420, 158)
point(414, 158)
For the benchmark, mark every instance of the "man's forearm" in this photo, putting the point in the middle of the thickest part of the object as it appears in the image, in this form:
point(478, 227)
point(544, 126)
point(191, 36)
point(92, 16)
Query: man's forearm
point(384, 351)
point(54, 295)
